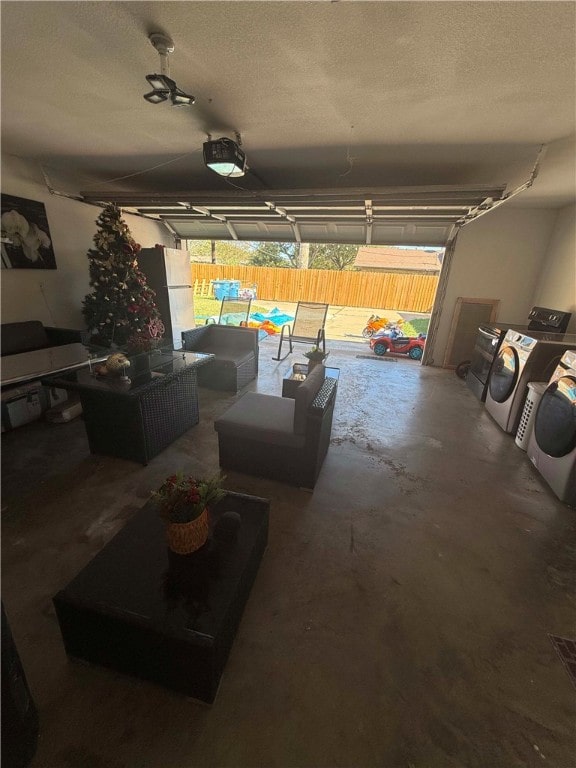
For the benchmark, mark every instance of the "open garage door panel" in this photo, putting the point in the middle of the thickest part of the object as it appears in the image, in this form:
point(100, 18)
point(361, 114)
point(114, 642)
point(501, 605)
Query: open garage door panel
point(389, 216)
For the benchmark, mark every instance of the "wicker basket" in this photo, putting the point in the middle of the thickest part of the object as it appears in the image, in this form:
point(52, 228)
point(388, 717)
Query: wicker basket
point(185, 538)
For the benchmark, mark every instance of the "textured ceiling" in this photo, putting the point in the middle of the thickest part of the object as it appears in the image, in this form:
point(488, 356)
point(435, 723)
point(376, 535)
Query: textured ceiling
point(325, 95)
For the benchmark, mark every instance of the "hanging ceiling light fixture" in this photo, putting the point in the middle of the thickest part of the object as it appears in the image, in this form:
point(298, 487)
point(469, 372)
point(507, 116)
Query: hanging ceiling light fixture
point(225, 157)
point(164, 87)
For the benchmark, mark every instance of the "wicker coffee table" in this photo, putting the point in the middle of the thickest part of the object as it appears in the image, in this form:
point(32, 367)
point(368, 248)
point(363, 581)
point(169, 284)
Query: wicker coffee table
point(142, 610)
point(139, 418)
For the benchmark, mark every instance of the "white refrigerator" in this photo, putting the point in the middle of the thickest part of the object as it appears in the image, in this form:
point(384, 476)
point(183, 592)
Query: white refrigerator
point(168, 272)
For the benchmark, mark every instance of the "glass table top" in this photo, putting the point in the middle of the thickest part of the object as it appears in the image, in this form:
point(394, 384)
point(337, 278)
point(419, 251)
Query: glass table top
point(142, 368)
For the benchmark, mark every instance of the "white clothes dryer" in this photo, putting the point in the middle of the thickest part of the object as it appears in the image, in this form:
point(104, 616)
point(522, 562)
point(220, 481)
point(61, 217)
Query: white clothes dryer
point(552, 444)
point(522, 358)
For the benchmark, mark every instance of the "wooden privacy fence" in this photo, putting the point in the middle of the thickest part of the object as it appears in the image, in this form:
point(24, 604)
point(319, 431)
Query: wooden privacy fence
point(384, 290)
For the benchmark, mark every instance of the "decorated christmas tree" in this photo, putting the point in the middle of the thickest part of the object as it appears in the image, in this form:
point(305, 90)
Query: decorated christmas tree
point(120, 311)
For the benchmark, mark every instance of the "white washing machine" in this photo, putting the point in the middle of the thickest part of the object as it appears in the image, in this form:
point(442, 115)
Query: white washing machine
point(522, 358)
point(552, 444)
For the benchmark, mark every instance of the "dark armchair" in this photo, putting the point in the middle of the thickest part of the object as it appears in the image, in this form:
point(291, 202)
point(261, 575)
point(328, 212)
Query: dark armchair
point(279, 437)
point(236, 355)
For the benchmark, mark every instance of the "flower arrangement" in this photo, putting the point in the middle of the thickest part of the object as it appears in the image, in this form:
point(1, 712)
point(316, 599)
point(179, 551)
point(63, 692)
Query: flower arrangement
point(316, 355)
point(183, 499)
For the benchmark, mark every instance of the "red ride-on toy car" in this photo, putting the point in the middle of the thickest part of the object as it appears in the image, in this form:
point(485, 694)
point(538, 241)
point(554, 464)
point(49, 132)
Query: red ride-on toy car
point(413, 346)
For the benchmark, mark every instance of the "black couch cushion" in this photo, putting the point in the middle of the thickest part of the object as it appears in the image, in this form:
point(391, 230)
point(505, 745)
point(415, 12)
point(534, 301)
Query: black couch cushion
point(23, 337)
point(264, 418)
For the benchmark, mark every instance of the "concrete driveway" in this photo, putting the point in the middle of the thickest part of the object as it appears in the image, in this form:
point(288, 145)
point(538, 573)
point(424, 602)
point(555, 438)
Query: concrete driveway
point(343, 323)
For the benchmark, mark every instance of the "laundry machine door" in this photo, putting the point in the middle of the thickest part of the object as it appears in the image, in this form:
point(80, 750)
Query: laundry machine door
point(555, 423)
point(504, 374)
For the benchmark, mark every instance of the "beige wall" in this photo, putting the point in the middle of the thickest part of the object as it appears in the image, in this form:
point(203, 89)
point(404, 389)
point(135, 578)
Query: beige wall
point(556, 287)
point(498, 256)
point(54, 296)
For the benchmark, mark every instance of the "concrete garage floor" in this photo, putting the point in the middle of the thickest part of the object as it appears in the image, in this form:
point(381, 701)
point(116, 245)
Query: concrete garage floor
point(399, 619)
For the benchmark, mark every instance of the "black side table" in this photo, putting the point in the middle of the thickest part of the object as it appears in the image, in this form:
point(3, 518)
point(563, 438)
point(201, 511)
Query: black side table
point(299, 372)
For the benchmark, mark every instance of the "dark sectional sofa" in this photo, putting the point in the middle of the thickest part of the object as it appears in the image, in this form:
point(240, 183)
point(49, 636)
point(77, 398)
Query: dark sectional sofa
point(30, 335)
point(30, 349)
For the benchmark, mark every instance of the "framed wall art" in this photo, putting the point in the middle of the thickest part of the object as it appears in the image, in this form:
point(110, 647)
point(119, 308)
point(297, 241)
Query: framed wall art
point(26, 242)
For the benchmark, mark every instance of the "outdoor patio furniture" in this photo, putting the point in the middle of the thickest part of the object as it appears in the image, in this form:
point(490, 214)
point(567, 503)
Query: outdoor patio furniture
point(308, 327)
point(142, 610)
point(139, 417)
point(279, 437)
point(233, 311)
point(298, 374)
point(235, 353)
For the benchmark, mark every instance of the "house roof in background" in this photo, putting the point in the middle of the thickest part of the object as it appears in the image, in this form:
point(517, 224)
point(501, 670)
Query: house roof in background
point(388, 257)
